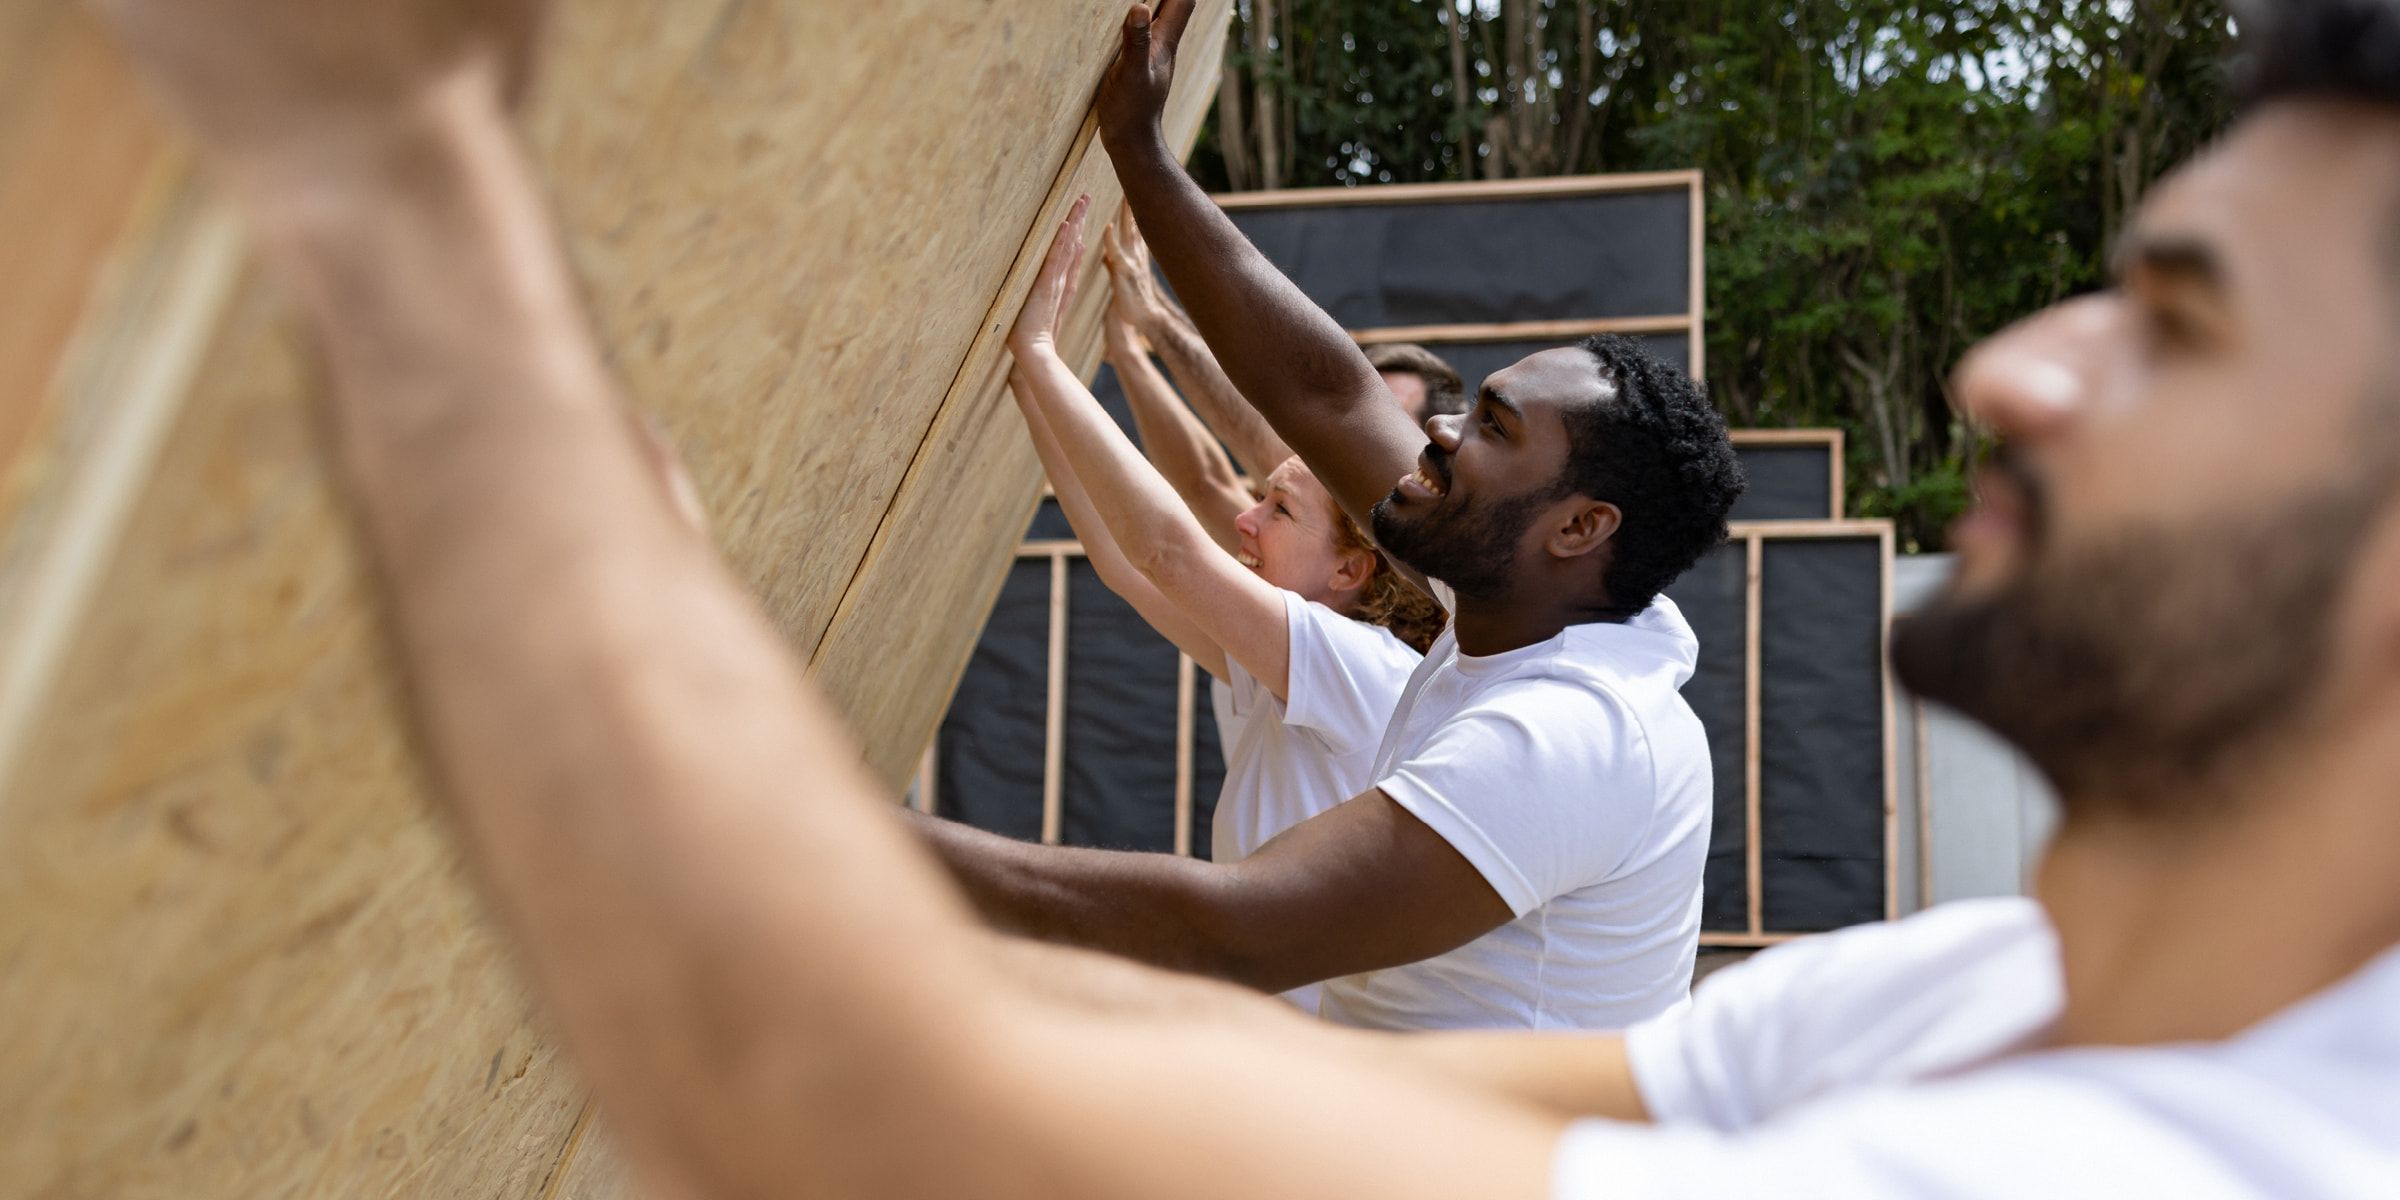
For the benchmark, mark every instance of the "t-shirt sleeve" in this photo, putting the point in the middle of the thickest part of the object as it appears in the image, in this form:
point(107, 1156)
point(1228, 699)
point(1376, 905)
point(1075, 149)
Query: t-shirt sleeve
point(1545, 788)
point(1836, 1010)
point(2062, 1128)
point(1345, 677)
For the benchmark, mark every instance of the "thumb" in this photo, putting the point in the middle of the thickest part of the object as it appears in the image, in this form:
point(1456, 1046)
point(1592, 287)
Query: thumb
point(1172, 16)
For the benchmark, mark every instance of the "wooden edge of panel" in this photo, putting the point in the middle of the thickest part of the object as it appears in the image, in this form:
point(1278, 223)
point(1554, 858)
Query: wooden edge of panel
point(929, 775)
point(1840, 468)
point(1753, 854)
point(1800, 531)
point(1435, 193)
point(129, 371)
point(1521, 331)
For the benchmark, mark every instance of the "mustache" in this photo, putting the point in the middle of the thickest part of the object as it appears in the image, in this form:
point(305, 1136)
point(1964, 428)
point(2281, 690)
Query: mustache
point(2031, 486)
point(1438, 462)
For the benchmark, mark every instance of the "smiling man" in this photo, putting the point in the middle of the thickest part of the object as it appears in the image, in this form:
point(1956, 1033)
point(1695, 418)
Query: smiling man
point(1526, 850)
point(774, 992)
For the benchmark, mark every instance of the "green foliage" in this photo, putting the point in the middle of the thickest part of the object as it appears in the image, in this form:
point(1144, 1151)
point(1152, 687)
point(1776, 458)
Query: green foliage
point(1887, 181)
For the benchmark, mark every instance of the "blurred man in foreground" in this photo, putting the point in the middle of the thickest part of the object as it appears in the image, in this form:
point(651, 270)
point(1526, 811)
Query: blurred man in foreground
point(2183, 599)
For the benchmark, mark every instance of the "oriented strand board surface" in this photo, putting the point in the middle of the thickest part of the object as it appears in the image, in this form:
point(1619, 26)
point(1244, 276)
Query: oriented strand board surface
point(237, 955)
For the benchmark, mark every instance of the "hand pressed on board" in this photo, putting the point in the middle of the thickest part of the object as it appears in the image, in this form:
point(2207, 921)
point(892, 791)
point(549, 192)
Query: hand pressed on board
point(1036, 330)
point(1133, 94)
point(255, 76)
point(1133, 295)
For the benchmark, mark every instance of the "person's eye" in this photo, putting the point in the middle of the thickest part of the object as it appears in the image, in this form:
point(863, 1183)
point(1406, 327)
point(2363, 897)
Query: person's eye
point(1492, 424)
point(1281, 511)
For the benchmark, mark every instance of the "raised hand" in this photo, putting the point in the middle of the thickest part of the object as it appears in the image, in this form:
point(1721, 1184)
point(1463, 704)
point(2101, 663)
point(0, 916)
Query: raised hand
point(1036, 330)
point(1133, 296)
point(1134, 92)
point(253, 76)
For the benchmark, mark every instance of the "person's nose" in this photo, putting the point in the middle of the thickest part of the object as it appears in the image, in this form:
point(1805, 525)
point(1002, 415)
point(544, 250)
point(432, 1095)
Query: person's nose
point(1246, 521)
point(2035, 377)
point(1443, 430)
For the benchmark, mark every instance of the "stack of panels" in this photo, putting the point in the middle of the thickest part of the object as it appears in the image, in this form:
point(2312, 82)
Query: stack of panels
point(1790, 612)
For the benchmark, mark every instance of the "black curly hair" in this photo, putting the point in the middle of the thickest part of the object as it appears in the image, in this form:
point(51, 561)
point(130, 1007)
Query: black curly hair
point(2346, 49)
point(1659, 452)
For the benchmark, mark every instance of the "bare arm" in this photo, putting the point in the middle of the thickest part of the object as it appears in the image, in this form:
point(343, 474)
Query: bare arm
point(755, 983)
point(1134, 296)
point(1100, 547)
point(1175, 441)
point(1363, 886)
point(1282, 352)
point(1228, 603)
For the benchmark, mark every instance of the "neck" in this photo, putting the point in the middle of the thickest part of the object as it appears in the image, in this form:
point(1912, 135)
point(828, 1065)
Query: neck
point(2203, 928)
point(1499, 624)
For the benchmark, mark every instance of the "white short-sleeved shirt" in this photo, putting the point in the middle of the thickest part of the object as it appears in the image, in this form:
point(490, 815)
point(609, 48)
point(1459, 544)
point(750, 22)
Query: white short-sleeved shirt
point(1573, 776)
point(1893, 1061)
point(1288, 760)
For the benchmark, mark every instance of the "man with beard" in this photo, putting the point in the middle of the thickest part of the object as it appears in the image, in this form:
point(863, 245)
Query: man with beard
point(1526, 851)
point(773, 991)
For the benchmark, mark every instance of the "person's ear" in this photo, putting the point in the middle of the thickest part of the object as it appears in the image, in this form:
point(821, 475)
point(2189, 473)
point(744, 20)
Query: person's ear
point(1585, 527)
point(1354, 570)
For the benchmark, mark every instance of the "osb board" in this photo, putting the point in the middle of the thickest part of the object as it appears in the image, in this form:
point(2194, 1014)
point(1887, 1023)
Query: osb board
point(923, 583)
point(236, 955)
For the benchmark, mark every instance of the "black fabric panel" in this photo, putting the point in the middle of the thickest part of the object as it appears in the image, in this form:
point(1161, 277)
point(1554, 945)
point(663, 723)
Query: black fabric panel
point(1619, 254)
point(1821, 752)
point(1787, 483)
point(1208, 767)
point(1476, 361)
point(1712, 596)
point(989, 756)
point(1119, 789)
point(1049, 522)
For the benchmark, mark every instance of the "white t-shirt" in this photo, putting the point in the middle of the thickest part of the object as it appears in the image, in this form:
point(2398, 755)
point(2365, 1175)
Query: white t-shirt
point(1574, 777)
point(1288, 760)
point(1892, 1061)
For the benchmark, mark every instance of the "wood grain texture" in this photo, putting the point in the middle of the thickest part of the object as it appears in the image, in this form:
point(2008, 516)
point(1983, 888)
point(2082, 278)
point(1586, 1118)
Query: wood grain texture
point(238, 955)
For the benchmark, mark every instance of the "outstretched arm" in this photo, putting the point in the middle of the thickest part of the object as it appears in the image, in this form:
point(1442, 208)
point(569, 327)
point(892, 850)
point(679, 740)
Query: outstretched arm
point(1182, 449)
point(1282, 352)
point(1228, 603)
point(1135, 298)
point(757, 980)
point(1100, 548)
point(1363, 886)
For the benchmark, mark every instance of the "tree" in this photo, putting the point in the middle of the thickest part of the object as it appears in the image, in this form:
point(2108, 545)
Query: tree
point(1887, 181)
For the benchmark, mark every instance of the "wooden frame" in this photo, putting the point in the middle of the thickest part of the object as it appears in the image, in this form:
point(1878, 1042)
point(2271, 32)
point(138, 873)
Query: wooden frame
point(1691, 323)
point(1754, 535)
point(1833, 440)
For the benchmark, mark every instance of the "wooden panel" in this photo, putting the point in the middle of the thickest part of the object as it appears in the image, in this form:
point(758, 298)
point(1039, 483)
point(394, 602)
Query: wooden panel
point(935, 568)
point(237, 954)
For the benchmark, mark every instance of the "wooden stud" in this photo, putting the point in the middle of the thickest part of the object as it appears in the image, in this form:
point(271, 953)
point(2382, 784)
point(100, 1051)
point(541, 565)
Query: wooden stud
point(1698, 304)
point(1924, 746)
point(1891, 760)
point(1054, 723)
point(1785, 437)
point(1431, 193)
point(1184, 676)
point(1746, 941)
point(1753, 858)
point(1520, 331)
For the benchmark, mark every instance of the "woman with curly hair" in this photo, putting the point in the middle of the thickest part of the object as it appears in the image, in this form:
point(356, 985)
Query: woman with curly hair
point(1308, 628)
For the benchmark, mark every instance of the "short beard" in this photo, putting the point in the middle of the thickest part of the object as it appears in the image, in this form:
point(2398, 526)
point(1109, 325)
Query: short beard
point(2137, 672)
point(1472, 548)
